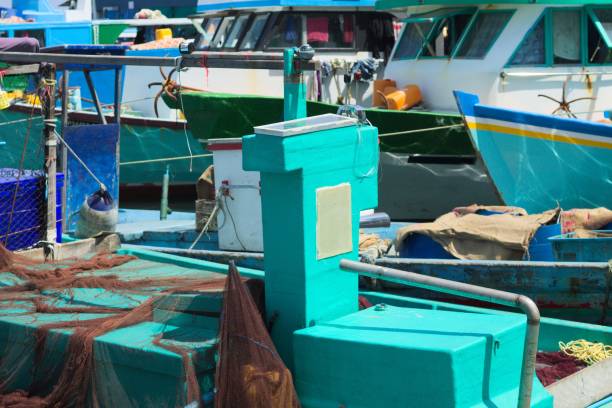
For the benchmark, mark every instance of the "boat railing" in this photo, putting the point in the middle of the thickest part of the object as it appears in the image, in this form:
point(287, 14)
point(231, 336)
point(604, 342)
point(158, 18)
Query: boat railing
point(473, 292)
point(202, 59)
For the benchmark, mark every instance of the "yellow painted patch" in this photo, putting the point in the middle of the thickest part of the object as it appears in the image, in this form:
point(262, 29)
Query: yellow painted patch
point(539, 135)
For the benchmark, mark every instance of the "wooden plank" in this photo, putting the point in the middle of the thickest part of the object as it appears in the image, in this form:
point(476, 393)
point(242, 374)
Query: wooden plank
point(20, 69)
point(583, 388)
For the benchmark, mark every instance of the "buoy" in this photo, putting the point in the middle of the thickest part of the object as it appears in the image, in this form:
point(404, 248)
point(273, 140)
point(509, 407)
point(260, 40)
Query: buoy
point(97, 214)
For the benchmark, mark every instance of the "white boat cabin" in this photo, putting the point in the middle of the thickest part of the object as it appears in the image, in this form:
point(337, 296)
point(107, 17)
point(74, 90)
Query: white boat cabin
point(507, 53)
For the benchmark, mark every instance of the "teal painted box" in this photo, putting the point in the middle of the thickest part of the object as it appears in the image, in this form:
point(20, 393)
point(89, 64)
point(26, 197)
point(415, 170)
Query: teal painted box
point(129, 369)
point(402, 357)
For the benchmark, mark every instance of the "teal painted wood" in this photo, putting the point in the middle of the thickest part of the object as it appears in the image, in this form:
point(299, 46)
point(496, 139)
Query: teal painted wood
point(413, 357)
point(568, 290)
point(294, 87)
point(552, 331)
point(301, 290)
point(540, 161)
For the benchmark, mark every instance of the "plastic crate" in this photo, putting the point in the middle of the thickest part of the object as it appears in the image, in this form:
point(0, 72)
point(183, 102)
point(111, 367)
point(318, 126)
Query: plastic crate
point(25, 227)
point(568, 248)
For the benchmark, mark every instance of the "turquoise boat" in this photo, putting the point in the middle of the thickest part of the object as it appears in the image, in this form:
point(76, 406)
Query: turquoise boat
point(540, 161)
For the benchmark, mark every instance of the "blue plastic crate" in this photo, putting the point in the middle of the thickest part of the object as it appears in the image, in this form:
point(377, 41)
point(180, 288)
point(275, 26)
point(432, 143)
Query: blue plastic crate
point(568, 248)
point(25, 226)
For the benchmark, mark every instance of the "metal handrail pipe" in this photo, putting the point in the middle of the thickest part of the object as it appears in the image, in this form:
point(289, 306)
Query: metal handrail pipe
point(196, 59)
point(472, 292)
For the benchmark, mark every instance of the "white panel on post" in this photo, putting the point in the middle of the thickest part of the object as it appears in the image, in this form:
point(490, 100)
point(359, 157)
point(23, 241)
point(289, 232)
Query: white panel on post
point(334, 221)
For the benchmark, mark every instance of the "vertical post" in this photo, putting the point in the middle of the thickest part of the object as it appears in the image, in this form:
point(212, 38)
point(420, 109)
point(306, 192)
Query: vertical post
point(294, 87)
point(118, 71)
point(63, 155)
point(48, 110)
point(94, 96)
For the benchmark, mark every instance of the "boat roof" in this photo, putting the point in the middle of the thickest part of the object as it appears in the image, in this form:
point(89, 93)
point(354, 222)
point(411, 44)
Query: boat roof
point(216, 5)
point(392, 4)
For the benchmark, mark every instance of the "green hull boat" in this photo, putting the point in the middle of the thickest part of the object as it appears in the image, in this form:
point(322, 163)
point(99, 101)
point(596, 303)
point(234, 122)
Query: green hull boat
point(428, 165)
point(147, 146)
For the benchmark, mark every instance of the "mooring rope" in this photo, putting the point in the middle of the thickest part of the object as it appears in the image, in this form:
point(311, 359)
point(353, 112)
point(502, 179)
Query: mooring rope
point(12, 122)
point(407, 132)
point(165, 159)
point(76, 156)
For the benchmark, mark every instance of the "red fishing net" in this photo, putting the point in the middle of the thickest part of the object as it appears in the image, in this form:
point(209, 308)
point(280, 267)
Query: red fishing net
point(554, 366)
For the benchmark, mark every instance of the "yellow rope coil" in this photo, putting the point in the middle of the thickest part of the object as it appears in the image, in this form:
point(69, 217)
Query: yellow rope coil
point(586, 351)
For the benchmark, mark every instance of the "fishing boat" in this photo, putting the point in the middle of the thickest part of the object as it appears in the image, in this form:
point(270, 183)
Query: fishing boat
point(149, 143)
point(540, 161)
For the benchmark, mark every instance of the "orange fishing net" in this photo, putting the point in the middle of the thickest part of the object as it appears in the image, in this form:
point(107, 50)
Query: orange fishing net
point(250, 372)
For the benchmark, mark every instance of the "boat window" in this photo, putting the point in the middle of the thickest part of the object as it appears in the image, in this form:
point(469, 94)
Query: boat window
point(186, 31)
point(330, 30)
point(483, 32)
point(566, 36)
point(531, 50)
point(210, 28)
point(287, 31)
point(600, 36)
point(412, 40)
point(252, 36)
point(445, 35)
point(222, 32)
point(237, 28)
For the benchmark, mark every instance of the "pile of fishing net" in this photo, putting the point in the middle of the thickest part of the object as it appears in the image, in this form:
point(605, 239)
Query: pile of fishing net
point(249, 372)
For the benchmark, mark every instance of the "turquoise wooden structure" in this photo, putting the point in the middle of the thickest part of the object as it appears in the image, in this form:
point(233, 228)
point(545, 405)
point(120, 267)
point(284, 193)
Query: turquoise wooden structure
point(298, 174)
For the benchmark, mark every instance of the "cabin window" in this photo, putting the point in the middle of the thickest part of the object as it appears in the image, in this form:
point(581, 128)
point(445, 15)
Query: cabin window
point(483, 32)
point(210, 28)
point(531, 50)
point(412, 40)
point(566, 36)
point(600, 36)
point(237, 28)
point(330, 30)
point(222, 32)
point(287, 31)
point(252, 36)
point(433, 34)
point(445, 35)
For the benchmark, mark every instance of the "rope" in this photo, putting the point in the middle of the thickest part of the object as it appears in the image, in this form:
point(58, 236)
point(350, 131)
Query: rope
point(18, 121)
point(164, 159)
point(102, 186)
point(211, 217)
point(406, 132)
point(585, 351)
point(180, 83)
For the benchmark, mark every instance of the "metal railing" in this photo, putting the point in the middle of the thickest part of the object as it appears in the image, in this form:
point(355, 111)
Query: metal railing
point(203, 59)
point(473, 292)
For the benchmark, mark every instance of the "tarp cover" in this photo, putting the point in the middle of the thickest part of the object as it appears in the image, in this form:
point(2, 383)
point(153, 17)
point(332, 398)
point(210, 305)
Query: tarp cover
point(19, 45)
point(480, 237)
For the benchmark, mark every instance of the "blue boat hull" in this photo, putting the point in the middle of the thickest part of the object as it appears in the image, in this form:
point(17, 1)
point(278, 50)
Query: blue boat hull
point(577, 291)
point(540, 161)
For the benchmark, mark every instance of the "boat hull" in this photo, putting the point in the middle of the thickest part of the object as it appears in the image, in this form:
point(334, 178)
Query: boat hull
point(143, 143)
point(428, 165)
point(538, 162)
